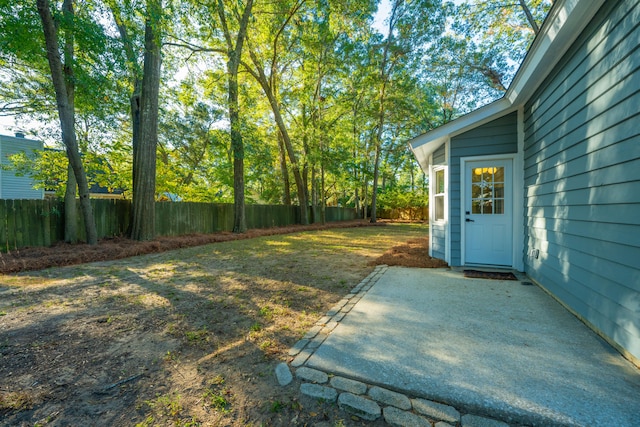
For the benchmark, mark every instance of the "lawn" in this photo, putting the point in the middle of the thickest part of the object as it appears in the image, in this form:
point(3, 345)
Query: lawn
point(181, 338)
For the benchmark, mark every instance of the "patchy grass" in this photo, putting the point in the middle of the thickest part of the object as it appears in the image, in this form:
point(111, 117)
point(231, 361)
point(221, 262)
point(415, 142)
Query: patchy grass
point(184, 337)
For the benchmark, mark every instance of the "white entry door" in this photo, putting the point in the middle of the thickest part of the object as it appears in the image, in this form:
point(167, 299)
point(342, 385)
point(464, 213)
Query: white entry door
point(488, 212)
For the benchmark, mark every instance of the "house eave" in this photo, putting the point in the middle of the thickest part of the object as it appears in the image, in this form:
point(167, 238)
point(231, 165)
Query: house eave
point(424, 145)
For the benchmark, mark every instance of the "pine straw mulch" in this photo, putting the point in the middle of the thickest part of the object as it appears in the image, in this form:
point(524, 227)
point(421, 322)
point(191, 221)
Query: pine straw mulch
point(413, 253)
point(64, 254)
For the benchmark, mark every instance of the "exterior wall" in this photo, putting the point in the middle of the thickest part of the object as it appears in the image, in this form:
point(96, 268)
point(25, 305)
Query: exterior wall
point(439, 230)
point(439, 156)
point(582, 177)
point(438, 241)
point(12, 186)
point(499, 136)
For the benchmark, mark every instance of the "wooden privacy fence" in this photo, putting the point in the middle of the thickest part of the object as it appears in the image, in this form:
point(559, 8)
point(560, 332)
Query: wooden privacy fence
point(410, 214)
point(41, 222)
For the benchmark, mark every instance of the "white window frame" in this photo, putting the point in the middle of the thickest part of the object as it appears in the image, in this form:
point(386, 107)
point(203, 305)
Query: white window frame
point(444, 222)
point(443, 194)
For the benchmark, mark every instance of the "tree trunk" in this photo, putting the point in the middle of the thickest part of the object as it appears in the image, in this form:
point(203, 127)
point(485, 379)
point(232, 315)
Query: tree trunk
point(135, 119)
point(239, 217)
point(355, 162)
point(67, 118)
point(378, 144)
point(365, 193)
point(302, 191)
point(134, 79)
point(70, 208)
point(144, 152)
point(314, 196)
point(374, 191)
point(275, 109)
point(413, 180)
point(70, 205)
point(285, 171)
point(234, 55)
point(384, 79)
point(323, 198)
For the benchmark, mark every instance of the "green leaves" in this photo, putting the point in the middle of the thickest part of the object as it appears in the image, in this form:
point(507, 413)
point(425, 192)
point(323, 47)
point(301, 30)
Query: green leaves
point(336, 83)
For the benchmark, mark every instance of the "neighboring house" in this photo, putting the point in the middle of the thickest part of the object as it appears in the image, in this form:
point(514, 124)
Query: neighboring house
point(546, 180)
point(21, 187)
point(11, 185)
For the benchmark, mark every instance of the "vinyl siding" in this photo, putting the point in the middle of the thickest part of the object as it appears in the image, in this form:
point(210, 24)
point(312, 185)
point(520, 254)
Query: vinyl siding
point(499, 136)
point(439, 156)
point(12, 186)
point(438, 241)
point(582, 177)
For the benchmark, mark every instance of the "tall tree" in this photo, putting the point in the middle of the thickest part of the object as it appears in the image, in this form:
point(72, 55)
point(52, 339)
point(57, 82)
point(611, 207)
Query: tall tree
point(144, 152)
point(412, 26)
point(234, 56)
point(70, 209)
point(230, 20)
point(269, 80)
point(66, 113)
point(317, 105)
point(123, 15)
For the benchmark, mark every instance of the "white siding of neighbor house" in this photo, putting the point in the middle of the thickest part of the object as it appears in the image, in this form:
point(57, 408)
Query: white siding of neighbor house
point(12, 186)
point(499, 136)
point(582, 177)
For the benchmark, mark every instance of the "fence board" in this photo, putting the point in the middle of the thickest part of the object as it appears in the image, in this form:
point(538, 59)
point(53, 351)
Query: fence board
point(56, 218)
point(19, 223)
point(412, 214)
point(33, 230)
point(41, 222)
point(4, 237)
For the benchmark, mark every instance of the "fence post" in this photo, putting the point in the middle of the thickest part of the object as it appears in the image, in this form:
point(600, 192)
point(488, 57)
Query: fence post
point(41, 222)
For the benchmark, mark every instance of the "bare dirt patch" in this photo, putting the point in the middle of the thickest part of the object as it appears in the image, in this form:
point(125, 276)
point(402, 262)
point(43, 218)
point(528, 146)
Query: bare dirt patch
point(187, 337)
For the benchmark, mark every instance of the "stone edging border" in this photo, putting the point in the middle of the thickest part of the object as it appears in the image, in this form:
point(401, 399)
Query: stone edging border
point(304, 348)
point(368, 402)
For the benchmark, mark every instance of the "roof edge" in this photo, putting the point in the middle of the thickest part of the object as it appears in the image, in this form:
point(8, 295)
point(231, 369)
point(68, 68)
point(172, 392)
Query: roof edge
point(424, 145)
point(565, 22)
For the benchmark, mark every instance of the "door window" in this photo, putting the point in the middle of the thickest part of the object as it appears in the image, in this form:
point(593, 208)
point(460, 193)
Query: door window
point(487, 191)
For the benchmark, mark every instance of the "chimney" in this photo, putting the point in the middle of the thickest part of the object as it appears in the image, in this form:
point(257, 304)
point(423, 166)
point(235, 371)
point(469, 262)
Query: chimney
point(19, 134)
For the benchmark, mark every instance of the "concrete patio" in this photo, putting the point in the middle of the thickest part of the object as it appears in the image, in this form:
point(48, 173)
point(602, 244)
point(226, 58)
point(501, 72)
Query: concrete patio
point(501, 349)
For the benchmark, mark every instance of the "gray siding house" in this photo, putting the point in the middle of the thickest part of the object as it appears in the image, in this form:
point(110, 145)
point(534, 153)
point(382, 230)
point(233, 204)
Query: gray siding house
point(12, 186)
point(546, 180)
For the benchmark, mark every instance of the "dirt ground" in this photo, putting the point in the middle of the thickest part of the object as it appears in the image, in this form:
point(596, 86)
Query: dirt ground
point(186, 337)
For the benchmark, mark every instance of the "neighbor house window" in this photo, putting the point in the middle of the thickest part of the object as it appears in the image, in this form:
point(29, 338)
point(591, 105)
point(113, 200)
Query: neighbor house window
point(438, 196)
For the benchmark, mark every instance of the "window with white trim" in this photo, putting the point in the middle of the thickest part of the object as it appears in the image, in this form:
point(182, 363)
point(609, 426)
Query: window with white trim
point(438, 194)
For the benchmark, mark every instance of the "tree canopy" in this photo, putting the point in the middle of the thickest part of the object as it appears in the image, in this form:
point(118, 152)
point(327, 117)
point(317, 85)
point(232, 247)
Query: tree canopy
point(259, 101)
